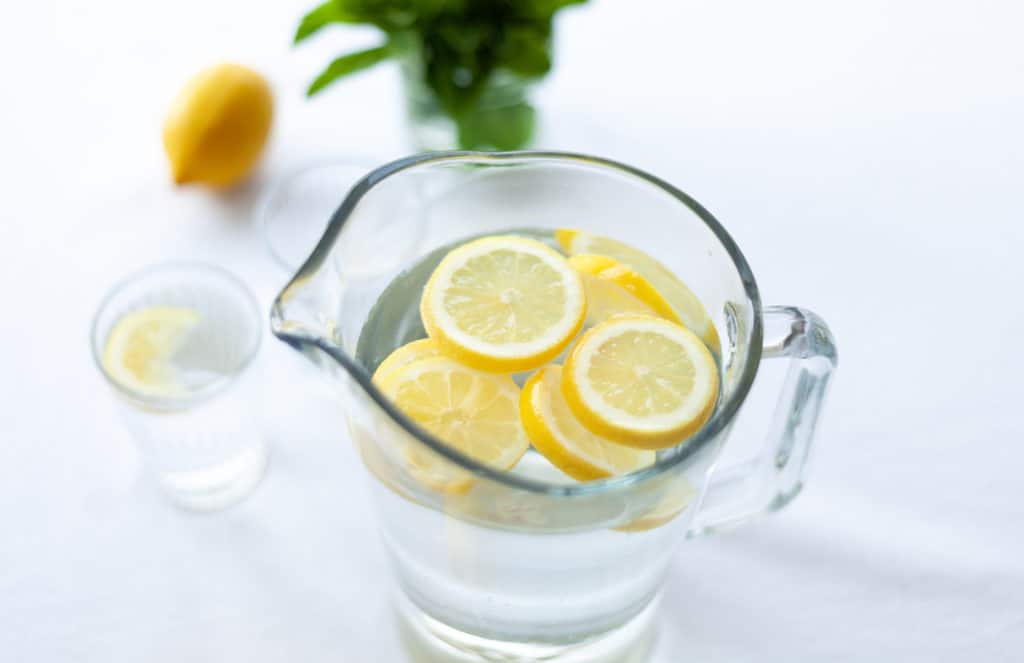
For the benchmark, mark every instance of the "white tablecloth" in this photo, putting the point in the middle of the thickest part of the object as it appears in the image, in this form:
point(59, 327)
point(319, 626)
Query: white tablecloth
point(867, 156)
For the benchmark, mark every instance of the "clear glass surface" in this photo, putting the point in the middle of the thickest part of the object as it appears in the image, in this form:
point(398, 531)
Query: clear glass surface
point(530, 565)
point(204, 442)
point(295, 210)
point(502, 117)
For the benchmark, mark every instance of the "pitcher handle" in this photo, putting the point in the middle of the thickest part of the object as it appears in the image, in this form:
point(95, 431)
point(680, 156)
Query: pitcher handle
point(773, 478)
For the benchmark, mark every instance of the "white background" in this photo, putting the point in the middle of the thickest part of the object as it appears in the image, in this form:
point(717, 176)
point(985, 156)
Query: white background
point(868, 156)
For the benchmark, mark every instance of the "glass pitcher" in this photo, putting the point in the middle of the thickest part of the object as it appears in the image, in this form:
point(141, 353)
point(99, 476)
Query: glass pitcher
point(528, 564)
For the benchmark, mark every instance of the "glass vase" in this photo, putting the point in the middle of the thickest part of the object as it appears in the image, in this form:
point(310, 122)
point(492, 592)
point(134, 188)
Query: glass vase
point(501, 119)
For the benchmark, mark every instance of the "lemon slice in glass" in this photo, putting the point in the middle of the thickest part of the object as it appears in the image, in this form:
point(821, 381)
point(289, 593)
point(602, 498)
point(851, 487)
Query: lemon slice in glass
point(140, 348)
point(613, 288)
point(676, 499)
point(474, 412)
point(555, 432)
point(503, 304)
point(641, 381)
point(424, 348)
point(685, 305)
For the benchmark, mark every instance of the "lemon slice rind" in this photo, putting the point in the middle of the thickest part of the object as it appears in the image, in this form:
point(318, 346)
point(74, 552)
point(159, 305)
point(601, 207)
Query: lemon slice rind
point(423, 348)
point(569, 446)
point(654, 430)
point(139, 347)
point(674, 502)
point(685, 305)
point(450, 286)
point(637, 296)
point(471, 411)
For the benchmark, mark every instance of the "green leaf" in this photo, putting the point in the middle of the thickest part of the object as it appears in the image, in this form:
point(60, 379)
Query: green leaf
point(456, 77)
point(465, 36)
point(525, 50)
point(348, 64)
point(332, 11)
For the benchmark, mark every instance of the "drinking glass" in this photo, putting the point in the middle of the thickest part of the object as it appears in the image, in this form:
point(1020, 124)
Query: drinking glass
point(529, 564)
point(203, 441)
point(296, 208)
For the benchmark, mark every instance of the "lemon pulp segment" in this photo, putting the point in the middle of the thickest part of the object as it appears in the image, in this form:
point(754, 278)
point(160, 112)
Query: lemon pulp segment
point(503, 304)
point(423, 348)
point(685, 305)
point(641, 381)
point(474, 412)
point(140, 346)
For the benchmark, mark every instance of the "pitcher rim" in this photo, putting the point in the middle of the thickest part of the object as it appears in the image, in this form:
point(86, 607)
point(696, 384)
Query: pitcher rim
point(722, 417)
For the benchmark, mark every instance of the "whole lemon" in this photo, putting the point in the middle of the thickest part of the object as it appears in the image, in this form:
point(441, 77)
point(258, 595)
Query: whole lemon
point(218, 125)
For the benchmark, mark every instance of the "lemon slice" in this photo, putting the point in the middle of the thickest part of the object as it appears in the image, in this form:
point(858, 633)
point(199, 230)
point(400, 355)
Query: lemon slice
point(141, 345)
point(406, 354)
point(687, 307)
point(641, 381)
point(503, 304)
point(613, 288)
point(474, 412)
point(678, 496)
point(555, 432)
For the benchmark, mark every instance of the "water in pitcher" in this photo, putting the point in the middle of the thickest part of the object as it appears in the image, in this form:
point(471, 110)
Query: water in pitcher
point(530, 585)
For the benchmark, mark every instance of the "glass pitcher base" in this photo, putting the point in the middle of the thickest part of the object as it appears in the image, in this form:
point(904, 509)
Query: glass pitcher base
point(427, 640)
